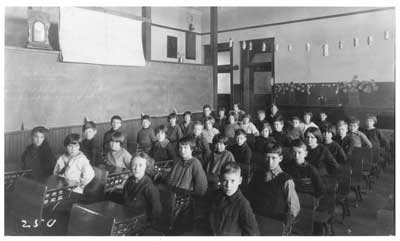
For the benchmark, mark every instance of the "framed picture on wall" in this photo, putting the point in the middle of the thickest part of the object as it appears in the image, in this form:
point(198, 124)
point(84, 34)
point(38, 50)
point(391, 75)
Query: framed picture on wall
point(172, 47)
point(190, 45)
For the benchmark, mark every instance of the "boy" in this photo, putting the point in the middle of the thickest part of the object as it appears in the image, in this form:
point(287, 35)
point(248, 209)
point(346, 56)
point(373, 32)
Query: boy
point(209, 131)
point(265, 140)
point(279, 134)
point(162, 149)
point(272, 192)
point(187, 172)
point(359, 138)
point(220, 120)
point(230, 128)
point(187, 124)
point(323, 120)
point(260, 121)
point(89, 145)
point(231, 213)
point(38, 156)
point(146, 136)
point(241, 151)
point(201, 150)
point(307, 122)
point(118, 156)
point(294, 131)
point(273, 114)
point(343, 138)
point(238, 112)
point(334, 148)
point(139, 191)
point(174, 132)
point(248, 126)
point(207, 112)
point(74, 165)
point(116, 124)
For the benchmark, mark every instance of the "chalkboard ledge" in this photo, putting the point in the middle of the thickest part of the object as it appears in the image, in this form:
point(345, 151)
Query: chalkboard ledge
point(32, 50)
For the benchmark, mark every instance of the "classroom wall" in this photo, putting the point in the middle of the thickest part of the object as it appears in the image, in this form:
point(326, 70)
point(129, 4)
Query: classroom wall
point(366, 61)
point(40, 90)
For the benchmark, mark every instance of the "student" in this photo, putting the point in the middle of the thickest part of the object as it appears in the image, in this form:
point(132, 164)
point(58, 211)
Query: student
point(231, 213)
point(220, 156)
point(265, 140)
point(38, 156)
point(207, 112)
point(294, 131)
point(241, 151)
point(187, 124)
point(89, 145)
point(320, 157)
point(307, 117)
point(279, 134)
point(248, 126)
point(174, 132)
point(116, 123)
point(323, 120)
point(273, 114)
point(74, 165)
point(378, 140)
point(334, 148)
point(261, 120)
point(343, 138)
point(163, 149)
point(238, 112)
point(209, 131)
point(146, 136)
point(139, 192)
point(201, 150)
point(118, 156)
point(300, 169)
point(220, 120)
point(359, 138)
point(230, 128)
point(187, 172)
point(272, 192)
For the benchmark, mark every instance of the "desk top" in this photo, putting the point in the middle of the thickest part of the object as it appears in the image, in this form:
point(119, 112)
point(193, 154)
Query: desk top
point(54, 182)
point(112, 170)
point(112, 209)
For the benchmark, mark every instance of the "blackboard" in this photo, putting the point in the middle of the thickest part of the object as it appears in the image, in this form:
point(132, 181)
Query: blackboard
point(40, 90)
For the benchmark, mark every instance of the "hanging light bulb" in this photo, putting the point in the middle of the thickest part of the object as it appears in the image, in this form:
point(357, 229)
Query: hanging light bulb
point(230, 43)
point(264, 47)
point(244, 45)
point(250, 46)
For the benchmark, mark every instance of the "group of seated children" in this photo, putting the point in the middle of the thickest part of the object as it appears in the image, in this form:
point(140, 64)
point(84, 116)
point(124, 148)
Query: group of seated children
point(212, 156)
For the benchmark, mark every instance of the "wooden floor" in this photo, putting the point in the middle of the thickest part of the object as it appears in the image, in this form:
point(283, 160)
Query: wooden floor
point(375, 214)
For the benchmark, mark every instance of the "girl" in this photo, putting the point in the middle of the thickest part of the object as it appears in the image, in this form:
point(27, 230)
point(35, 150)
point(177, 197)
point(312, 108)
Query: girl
point(209, 131)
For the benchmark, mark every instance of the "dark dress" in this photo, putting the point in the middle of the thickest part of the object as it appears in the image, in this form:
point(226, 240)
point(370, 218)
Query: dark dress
point(92, 150)
point(40, 159)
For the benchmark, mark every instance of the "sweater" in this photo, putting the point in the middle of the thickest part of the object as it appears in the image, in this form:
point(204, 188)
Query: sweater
point(92, 150)
point(76, 168)
point(322, 160)
point(304, 171)
point(202, 150)
point(39, 158)
point(338, 153)
point(121, 158)
point(209, 134)
point(377, 139)
point(187, 130)
point(242, 154)
point(189, 175)
point(360, 139)
point(250, 128)
point(145, 139)
point(174, 133)
point(218, 160)
point(107, 139)
point(163, 151)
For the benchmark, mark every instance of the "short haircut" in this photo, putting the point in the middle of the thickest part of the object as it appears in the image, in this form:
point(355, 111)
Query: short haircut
point(197, 123)
point(276, 149)
point(89, 125)
point(237, 104)
point(220, 138)
point(272, 105)
point(294, 118)
point(299, 144)
point(39, 129)
point(72, 139)
point(230, 167)
point(145, 117)
point(116, 117)
point(261, 112)
point(278, 119)
point(143, 155)
point(247, 115)
point(354, 120)
point(187, 113)
point(161, 128)
point(372, 117)
point(240, 132)
point(315, 131)
point(341, 123)
point(308, 113)
point(329, 128)
point(206, 106)
point(117, 137)
point(188, 141)
point(221, 109)
point(172, 116)
point(209, 118)
point(323, 112)
point(232, 113)
point(267, 126)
